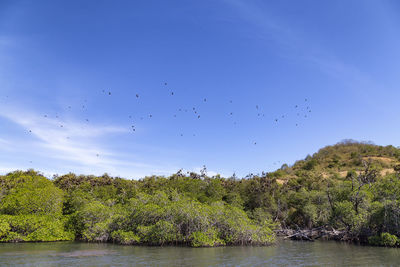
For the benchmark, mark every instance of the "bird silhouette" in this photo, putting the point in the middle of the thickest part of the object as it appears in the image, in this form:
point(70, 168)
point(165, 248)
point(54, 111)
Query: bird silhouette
point(137, 96)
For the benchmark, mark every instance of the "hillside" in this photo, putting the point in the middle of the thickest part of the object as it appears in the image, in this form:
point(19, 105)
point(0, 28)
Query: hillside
point(338, 160)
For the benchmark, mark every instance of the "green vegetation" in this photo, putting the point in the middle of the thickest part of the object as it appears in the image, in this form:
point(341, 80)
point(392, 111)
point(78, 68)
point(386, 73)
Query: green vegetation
point(351, 187)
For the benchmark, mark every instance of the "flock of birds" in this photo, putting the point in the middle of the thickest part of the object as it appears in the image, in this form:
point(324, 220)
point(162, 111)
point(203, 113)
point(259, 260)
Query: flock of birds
point(299, 113)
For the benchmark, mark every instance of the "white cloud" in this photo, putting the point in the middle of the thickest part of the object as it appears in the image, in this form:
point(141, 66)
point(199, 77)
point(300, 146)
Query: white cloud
point(75, 146)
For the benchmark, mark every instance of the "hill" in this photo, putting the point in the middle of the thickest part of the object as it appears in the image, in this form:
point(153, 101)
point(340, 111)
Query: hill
point(340, 159)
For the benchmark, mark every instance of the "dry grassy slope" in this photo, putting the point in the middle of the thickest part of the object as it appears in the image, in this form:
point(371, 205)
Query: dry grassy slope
point(341, 158)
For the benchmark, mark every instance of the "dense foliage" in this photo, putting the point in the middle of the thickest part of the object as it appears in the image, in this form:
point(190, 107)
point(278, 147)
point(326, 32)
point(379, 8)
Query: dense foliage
point(352, 187)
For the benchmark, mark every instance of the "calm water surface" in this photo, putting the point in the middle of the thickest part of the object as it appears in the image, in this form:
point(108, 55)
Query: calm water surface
point(285, 253)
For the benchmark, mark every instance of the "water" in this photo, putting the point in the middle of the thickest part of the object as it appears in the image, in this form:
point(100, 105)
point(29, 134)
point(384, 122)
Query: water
point(285, 253)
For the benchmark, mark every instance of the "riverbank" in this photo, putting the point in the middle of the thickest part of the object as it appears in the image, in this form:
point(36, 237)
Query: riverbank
point(341, 187)
point(323, 233)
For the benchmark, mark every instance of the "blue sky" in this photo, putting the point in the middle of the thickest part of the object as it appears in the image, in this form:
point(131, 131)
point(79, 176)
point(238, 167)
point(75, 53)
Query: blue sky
point(57, 57)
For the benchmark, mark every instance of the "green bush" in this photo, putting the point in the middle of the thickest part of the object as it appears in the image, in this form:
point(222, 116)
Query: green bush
point(125, 238)
point(30, 194)
point(15, 228)
point(205, 239)
point(161, 233)
point(389, 240)
point(385, 239)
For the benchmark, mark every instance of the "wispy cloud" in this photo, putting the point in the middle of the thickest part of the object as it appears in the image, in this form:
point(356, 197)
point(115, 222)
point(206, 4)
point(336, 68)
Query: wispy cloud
point(77, 146)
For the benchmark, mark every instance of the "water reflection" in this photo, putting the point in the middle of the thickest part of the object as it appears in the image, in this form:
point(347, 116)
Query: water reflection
point(285, 253)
